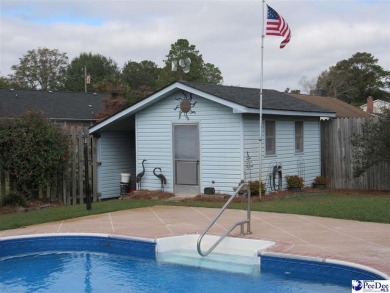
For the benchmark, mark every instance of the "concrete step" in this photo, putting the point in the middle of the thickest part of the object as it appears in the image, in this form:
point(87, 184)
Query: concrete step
point(235, 255)
point(214, 261)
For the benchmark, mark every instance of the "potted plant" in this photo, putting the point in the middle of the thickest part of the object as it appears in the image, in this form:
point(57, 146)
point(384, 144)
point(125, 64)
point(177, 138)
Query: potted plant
point(320, 182)
point(294, 182)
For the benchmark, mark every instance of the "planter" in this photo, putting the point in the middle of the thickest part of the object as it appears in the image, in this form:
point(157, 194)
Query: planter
point(209, 190)
point(295, 189)
point(319, 186)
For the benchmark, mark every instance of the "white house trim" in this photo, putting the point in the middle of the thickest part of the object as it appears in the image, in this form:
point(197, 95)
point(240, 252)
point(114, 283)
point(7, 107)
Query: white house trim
point(286, 113)
point(179, 86)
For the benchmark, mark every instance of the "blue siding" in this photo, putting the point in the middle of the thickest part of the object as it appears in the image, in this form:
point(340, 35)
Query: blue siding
point(117, 155)
point(220, 142)
point(225, 139)
point(306, 164)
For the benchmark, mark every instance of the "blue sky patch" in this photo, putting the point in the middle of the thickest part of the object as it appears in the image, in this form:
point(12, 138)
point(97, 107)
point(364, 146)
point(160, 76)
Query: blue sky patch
point(35, 15)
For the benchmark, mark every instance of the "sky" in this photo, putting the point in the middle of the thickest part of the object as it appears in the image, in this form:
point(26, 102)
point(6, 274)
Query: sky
point(226, 33)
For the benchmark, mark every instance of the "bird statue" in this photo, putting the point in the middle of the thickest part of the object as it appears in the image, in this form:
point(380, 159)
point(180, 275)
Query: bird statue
point(140, 175)
point(162, 178)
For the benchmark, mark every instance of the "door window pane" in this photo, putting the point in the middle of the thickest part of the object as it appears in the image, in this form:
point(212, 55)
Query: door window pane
point(186, 142)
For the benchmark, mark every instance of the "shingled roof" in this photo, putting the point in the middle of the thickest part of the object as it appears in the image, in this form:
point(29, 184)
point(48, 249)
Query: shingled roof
point(342, 109)
point(240, 99)
point(250, 97)
point(55, 105)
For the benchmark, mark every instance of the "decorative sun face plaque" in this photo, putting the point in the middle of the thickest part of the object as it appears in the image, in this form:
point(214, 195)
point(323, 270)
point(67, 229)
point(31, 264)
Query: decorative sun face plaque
point(185, 105)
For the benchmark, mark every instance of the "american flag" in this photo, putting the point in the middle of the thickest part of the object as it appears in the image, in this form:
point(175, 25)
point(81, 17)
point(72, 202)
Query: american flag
point(276, 26)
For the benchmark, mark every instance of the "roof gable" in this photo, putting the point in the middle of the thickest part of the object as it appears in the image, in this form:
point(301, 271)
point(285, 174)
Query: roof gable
point(241, 100)
point(55, 105)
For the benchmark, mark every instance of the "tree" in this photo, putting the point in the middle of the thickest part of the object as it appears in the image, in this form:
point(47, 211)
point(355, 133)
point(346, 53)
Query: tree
point(5, 82)
point(97, 68)
point(289, 91)
point(41, 69)
point(372, 145)
point(116, 100)
point(356, 78)
point(199, 71)
point(141, 77)
point(32, 151)
point(112, 105)
point(211, 74)
point(308, 85)
point(335, 83)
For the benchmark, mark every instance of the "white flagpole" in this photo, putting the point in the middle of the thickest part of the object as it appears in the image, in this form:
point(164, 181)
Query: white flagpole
point(261, 104)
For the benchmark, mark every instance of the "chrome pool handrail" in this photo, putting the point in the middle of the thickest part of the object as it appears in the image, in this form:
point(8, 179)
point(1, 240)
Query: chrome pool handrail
point(242, 222)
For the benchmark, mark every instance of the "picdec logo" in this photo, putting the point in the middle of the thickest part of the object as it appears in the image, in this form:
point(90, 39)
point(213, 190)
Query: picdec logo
point(370, 286)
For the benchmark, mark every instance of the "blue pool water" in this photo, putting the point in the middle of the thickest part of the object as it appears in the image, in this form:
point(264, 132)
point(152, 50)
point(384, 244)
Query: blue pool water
point(101, 264)
point(91, 272)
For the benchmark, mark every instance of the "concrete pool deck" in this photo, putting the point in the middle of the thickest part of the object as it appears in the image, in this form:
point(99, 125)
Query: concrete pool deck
point(362, 243)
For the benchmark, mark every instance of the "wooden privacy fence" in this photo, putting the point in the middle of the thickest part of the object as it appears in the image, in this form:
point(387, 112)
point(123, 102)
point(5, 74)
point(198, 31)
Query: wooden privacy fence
point(337, 157)
point(68, 188)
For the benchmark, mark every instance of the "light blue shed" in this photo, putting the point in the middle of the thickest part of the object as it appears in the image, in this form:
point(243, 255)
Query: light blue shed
point(203, 135)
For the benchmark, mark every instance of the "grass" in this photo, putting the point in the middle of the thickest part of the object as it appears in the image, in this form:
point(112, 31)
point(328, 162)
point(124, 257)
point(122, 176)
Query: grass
point(359, 208)
point(368, 208)
point(17, 220)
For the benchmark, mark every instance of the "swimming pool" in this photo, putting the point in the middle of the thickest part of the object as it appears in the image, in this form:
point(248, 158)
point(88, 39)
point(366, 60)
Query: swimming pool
point(102, 263)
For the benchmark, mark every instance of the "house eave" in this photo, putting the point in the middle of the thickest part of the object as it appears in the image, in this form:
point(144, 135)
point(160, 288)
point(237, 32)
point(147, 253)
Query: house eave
point(158, 96)
point(177, 86)
point(283, 112)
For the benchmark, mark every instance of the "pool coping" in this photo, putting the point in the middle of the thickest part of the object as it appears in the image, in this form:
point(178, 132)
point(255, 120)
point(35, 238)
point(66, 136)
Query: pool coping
point(364, 243)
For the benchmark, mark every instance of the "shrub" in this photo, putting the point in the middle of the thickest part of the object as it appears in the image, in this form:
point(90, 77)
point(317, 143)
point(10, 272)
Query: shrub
point(371, 145)
point(13, 199)
point(294, 181)
point(254, 186)
point(32, 151)
point(320, 180)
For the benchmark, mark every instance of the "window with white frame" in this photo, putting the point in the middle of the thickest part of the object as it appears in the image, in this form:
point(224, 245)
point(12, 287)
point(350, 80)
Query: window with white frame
point(270, 138)
point(299, 136)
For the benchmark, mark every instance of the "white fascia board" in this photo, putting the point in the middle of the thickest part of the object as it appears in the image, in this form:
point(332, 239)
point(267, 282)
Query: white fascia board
point(289, 113)
point(236, 108)
point(161, 94)
point(299, 113)
point(179, 86)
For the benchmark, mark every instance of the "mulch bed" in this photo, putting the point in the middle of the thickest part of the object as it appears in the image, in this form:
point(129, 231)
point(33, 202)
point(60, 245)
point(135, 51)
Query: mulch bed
point(148, 194)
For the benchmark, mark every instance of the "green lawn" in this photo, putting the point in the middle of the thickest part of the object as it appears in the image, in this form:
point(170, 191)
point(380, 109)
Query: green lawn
point(368, 208)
